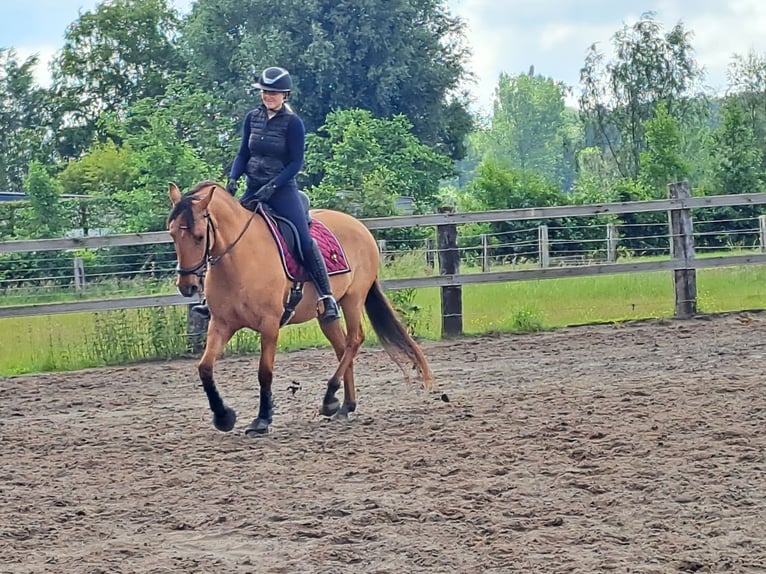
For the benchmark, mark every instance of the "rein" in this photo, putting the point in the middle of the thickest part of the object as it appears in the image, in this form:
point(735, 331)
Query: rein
point(207, 258)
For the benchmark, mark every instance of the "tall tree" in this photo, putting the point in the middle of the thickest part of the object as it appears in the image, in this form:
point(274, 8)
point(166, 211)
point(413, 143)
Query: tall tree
point(122, 51)
point(44, 194)
point(736, 161)
point(620, 95)
point(390, 57)
point(662, 162)
point(24, 119)
point(369, 162)
point(747, 82)
point(530, 128)
point(735, 153)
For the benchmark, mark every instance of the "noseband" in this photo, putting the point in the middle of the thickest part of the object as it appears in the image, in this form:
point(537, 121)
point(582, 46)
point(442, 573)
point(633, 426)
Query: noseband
point(207, 258)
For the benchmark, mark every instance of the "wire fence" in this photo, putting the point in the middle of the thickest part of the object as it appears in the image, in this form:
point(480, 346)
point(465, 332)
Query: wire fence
point(30, 277)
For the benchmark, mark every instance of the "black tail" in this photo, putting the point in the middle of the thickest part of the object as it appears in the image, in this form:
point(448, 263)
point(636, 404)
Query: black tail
point(394, 337)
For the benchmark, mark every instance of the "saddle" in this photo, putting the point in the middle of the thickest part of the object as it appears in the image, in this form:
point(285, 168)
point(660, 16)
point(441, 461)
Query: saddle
point(286, 237)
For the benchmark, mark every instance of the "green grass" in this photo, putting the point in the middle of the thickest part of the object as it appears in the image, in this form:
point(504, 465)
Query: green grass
point(64, 342)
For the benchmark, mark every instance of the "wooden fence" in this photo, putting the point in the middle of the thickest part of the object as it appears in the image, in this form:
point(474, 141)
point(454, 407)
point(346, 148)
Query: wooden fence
point(681, 263)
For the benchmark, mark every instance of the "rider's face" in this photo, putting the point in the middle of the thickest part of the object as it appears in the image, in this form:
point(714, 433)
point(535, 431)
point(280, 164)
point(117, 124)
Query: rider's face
point(273, 100)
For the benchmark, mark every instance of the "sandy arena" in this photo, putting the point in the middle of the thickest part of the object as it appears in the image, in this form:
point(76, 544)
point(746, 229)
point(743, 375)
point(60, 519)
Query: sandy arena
point(634, 448)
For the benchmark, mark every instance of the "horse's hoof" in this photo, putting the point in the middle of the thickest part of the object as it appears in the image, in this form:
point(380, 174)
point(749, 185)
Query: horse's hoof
point(329, 409)
point(226, 421)
point(345, 410)
point(258, 427)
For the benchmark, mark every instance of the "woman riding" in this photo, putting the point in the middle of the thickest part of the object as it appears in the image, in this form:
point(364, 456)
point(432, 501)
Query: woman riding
point(270, 155)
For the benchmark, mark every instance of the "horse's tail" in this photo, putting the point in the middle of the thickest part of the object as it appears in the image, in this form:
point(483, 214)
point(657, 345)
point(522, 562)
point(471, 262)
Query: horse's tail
point(394, 337)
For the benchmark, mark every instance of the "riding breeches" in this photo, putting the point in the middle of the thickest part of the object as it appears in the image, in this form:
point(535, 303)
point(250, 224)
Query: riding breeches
point(287, 203)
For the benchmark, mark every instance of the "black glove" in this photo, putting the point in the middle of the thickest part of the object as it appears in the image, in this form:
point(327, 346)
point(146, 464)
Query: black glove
point(265, 192)
point(231, 186)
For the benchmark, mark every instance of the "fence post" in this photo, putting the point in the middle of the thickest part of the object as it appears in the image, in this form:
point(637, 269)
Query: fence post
point(449, 264)
point(382, 251)
point(79, 274)
point(196, 329)
point(430, 259)
point(682, 250)
point(484, 253)
point(611, 243)
point(762, 227)
point(543, 248)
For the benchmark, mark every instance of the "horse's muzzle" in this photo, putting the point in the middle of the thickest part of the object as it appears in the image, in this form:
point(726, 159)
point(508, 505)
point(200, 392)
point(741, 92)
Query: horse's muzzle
point(187, 288)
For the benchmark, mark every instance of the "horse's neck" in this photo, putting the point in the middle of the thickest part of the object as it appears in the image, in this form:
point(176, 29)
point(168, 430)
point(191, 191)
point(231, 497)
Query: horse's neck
point(249, 231)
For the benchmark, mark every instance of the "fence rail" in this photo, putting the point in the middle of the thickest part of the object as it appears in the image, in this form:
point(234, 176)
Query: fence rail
point(682, 262)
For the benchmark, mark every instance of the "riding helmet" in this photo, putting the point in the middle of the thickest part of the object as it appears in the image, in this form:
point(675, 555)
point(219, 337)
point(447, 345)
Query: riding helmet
point(274, 79)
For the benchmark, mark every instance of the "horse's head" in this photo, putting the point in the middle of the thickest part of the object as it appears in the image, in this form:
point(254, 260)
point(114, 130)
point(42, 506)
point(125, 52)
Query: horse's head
point(193, 236)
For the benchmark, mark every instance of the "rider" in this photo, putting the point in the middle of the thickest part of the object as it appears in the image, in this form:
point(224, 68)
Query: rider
point(270, 155)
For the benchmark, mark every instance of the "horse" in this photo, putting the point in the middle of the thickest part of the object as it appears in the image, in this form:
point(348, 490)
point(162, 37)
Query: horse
point(234, 253)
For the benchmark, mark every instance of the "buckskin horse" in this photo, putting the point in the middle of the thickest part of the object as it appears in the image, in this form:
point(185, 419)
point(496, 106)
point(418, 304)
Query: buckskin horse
point(251, 280)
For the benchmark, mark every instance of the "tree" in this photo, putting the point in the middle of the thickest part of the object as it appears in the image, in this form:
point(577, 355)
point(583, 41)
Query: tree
point(662, 163)
point(199, 120)
point(735, 153)
point(122, 51)
point(24, 118)
point(147, 151)
point(747, 82)
point(389, 57)
point(44, 194)
point(530, 128)
point(736, 162)
point(369, 162)
point(499, 187)
point(619, 96)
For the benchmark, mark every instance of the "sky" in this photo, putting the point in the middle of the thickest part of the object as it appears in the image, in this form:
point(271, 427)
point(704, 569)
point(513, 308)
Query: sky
point(505, 36)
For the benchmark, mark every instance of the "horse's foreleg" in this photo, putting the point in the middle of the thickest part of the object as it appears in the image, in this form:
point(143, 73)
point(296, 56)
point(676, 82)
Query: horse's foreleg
point(224, 417)
point(260, 424)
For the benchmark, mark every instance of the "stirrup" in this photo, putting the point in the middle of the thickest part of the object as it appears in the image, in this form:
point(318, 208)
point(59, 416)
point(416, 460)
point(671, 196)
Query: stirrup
point(330, 311)
point(202, 309)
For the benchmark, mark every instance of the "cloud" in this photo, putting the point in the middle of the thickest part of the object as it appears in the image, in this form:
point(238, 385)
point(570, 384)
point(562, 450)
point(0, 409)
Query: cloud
point(554, 35)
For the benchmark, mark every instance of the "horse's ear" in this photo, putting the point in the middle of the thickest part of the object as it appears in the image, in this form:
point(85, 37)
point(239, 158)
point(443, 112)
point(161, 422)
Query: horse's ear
point(174, 193)
point(203, 199)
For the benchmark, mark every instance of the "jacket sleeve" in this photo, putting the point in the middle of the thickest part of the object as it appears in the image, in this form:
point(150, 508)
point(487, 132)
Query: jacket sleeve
point(243, 155)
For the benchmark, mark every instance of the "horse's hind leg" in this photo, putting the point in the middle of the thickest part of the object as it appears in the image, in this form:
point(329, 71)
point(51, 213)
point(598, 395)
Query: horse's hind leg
point(224, 417)
point(346, 347)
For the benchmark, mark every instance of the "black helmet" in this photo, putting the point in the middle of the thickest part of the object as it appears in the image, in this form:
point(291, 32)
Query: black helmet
point(274, 79)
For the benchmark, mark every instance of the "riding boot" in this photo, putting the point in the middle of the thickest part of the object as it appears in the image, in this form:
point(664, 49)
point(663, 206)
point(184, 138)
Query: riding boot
point(202, 309)
point(318, 269)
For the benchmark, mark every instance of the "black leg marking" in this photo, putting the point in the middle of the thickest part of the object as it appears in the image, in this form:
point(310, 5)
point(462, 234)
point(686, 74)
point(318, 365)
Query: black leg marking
point(260, 424)
point(224, 418)
point(331, 404)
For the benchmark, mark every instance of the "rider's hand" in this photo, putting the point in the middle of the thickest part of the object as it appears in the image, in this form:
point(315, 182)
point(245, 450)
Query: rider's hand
point(231, 186)
point(265, 192)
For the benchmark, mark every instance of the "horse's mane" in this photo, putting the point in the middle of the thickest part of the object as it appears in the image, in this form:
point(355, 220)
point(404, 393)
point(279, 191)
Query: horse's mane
point(184, 207)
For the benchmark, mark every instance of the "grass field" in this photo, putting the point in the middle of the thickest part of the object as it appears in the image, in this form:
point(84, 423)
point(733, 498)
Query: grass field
point(65, 342)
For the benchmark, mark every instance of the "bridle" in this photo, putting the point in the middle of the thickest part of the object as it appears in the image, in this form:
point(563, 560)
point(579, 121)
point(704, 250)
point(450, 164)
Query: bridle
point(207, 258)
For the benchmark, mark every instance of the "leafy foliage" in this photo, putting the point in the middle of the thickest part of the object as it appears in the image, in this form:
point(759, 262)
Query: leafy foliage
point(619, 96)
point(395, 57)
point(662, 163)
point(113, 56)
point(529, 128)
point(24, 114)
point(44, 193)
point(364, 163)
